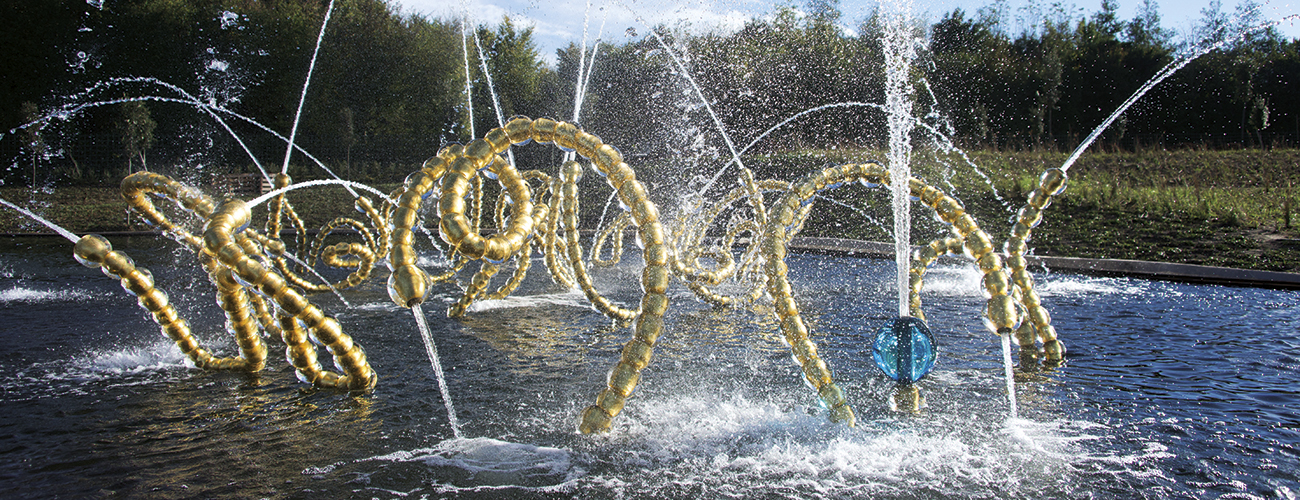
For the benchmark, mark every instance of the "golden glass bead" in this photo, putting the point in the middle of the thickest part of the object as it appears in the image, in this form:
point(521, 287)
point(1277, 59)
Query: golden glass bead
point(595, 420)
point(451, 151)
point(989, 262)
point(1039, 199)
point(587, 144)
point(654, 304)
point(1030, 216)
point(645, 215)
point(654, 279)
point(816, 372)
point(623, 379)
point(566, 136)
point(656, 254)
point(995, 283)
point(607, 157)
point(1054, 349)
point(1020, 276)
point(610, 402)
point(519, 129)
point(637, 354)
point(803, 350)
point(949, 209)
point(1015, 248)
point(1039, 316)
point(978, 244)
point(1053, 181)
point(91, 249)
point(620, 174)
point(831, 395)
point(1002, 313)
point(544, 130)
point(499, 139)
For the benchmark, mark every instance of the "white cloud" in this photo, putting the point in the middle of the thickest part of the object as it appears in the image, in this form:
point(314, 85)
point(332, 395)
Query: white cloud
point(558, 23)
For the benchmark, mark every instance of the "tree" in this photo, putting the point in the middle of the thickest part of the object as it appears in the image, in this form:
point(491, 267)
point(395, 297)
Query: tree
point(1145, 29)
point(1213, 27)
point(135, 130)
point(32, 135)
point(1107, 19)
point(824, 11)
point(516, 70)
point(347, 133)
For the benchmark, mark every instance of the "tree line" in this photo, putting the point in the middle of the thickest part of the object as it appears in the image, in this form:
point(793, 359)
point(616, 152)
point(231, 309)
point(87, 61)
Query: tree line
point(389, 89)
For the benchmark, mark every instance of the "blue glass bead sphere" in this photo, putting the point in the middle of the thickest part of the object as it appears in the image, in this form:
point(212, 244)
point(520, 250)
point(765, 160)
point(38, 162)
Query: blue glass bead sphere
point(904, 349)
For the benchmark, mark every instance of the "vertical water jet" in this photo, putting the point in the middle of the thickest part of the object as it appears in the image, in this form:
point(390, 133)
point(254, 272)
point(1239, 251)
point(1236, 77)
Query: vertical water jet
point(899, 50)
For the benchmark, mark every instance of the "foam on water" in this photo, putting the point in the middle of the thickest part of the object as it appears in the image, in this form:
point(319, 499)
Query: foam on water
point(750, 448)
point(121, 366)
point(493, 462)
point(428, 261)
point(28, 295)
point(572, 298)
point(161, 355)
point(757, 448)
point(962, 280)
point(1082, 286)
point(382, 305)
point(965, 280)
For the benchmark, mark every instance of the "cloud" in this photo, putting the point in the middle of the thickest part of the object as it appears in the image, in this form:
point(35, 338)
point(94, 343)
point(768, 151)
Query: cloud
point(556, 24)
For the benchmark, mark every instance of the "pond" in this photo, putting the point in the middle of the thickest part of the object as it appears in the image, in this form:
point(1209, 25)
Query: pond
point(1169, 390)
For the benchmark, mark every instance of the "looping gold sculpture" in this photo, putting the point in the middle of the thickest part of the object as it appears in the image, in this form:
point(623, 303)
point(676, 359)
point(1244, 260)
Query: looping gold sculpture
point(236, 259)
point(539, 211)
point(452, 171)
point(1038, 325)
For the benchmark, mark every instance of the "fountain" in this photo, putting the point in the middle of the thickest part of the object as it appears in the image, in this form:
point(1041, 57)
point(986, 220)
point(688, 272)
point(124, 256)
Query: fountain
point(714, 434)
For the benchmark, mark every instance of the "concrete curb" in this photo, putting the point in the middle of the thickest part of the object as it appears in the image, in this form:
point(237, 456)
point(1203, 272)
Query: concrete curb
point(1185, 273)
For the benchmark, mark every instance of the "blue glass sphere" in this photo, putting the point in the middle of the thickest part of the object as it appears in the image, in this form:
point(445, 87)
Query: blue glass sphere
point(904, 349)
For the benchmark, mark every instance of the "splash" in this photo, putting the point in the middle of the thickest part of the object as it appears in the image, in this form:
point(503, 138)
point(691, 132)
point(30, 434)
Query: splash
point(31, 296)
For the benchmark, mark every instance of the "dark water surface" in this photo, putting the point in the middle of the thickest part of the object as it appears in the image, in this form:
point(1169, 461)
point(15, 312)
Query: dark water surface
point(1170, 391)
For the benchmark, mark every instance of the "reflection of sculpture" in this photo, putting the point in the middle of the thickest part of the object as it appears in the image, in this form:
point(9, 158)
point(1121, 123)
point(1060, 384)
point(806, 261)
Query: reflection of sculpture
point(240, 259)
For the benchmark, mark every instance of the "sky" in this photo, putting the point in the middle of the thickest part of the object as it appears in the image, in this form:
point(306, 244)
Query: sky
point(556, 23)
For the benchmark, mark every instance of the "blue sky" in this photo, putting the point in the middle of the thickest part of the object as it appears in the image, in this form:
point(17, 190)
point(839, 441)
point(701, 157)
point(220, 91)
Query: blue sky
point(558, 22)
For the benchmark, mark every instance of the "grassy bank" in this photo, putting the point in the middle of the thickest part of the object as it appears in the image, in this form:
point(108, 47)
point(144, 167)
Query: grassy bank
point(1223, 208)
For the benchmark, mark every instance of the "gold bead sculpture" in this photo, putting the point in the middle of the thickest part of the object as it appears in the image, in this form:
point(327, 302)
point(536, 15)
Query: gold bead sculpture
point(237, 258)
point(261, 289)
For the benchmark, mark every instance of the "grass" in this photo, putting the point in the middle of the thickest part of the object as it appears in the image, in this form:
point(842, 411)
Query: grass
point(1223, 208)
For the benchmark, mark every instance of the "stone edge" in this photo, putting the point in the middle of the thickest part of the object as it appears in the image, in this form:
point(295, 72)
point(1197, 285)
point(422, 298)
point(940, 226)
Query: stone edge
point(1185, 273)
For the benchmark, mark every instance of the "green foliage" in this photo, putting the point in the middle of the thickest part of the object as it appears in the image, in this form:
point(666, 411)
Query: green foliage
point(516, 72)
point(136, 128)
point(388, 89)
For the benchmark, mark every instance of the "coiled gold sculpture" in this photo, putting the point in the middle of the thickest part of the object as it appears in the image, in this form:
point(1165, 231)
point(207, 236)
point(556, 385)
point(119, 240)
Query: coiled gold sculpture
point(240, 259)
